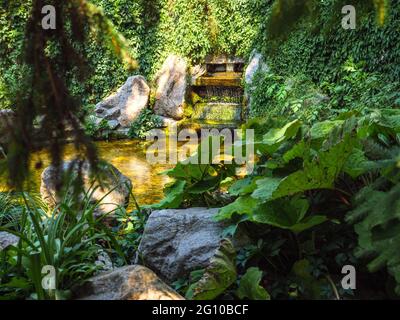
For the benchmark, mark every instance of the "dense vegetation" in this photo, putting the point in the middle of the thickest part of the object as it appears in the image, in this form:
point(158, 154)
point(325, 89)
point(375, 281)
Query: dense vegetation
point(355, 69)
point(321, 197)
point(325, 189)
point(323, 194)
point(153, 29)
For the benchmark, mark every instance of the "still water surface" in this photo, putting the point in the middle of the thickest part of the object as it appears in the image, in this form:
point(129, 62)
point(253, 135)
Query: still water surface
point(128, 156)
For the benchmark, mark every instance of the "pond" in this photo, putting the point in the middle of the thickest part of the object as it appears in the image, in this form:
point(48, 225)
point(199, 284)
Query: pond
point(128, 156)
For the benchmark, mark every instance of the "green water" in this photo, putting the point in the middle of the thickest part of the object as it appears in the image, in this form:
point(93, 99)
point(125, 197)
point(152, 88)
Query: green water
point(128, 156)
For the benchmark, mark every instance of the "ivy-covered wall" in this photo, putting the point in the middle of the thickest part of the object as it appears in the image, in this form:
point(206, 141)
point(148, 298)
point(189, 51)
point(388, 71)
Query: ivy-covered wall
point(156, 28)
point(318, 48)
point(153, 28)
point(357, 69)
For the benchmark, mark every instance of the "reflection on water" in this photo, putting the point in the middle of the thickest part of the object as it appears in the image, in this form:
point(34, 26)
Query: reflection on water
point(128, 156)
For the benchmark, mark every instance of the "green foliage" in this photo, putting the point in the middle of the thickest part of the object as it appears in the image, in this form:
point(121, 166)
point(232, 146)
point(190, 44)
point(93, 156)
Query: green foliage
point(318, 46)
point(182, 285)
point(249, 286)
point(218, 276)
point(377, 222)
point(129, 231)
point(66, 238)
point(321, 161)
point(308, 285)
point(290, 215)
point(296, 203)
point(96, 129)
point(10, 209)
point(144, 123)
point(195, 183)
point(319, 59)
point(295, 97)
point(152, 30)
point(13, 16)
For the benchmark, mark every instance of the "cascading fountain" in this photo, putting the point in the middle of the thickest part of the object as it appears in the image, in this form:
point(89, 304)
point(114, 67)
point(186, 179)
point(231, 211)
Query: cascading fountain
point(217, 95)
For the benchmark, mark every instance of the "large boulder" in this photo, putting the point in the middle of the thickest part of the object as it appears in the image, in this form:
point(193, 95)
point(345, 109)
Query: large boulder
point(171, 86)
point(178, 241)
point(125, 105)
point(112, 187)
point(7, 118)
point(7, 239)
point(256, 63)
point(127, 283)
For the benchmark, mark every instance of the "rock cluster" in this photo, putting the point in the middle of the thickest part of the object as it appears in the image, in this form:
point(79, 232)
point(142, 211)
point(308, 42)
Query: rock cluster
point(175, 242)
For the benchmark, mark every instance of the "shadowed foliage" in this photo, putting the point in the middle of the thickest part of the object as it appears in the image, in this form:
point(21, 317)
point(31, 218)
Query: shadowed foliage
point(50, 59)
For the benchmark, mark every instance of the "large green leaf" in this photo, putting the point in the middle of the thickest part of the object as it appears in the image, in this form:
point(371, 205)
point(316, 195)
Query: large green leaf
point(249, 286)
point(174, 196)
point(287, 214)
point(300, 150)
point(218, 276)
point(187, 171)
point(276, 136)
point(207, 184)
point(377, 218)
point(242, 205)
point(244, 186)
point(357, 163)
point(319, 173)
point(322, 129)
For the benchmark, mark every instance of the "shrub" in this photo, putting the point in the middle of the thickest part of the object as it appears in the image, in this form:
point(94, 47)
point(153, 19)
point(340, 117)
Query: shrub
point(144, 122)
point(68, 238)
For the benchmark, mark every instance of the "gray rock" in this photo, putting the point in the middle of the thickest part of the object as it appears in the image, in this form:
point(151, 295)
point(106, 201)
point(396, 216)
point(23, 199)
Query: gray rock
point(114, 190)
point(126, 104)
point(94, 119)
point(126, 283)
point(256, 63)
point(7, 239)
point(113, 124)
point(113, 114)
point(171, 86)
point(104, 261)
point(176, 242)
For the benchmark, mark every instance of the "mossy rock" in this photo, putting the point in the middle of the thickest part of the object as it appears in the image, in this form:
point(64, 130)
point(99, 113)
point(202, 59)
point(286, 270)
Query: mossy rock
point(188, 110)
point(218, 112)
